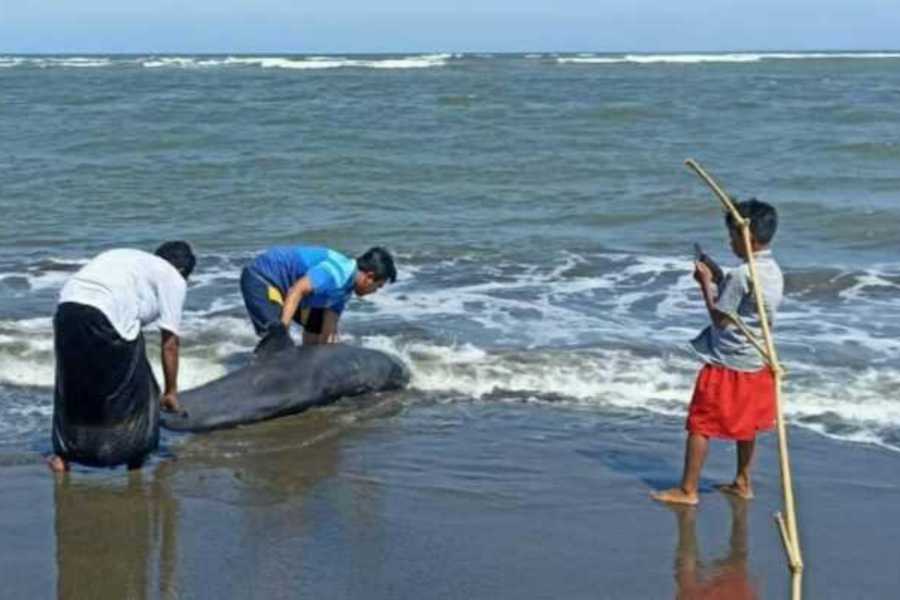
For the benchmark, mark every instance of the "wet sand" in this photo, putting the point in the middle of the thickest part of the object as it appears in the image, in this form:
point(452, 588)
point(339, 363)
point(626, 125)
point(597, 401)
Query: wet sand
point(446, 500)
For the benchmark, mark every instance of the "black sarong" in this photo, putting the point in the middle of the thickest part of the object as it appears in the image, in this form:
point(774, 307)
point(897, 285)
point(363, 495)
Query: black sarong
point(106, 400)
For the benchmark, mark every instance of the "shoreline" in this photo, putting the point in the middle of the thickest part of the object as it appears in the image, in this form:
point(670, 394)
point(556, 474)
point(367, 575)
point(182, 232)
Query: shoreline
point(349, 508)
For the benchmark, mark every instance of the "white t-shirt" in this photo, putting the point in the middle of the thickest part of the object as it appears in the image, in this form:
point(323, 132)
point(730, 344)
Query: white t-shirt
point(132, 288)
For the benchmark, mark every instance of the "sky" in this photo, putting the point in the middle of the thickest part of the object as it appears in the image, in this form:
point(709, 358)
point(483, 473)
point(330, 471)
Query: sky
point(371, 26)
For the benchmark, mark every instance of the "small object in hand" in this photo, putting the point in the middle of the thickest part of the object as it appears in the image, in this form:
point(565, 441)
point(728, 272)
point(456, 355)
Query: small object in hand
point(700, 256)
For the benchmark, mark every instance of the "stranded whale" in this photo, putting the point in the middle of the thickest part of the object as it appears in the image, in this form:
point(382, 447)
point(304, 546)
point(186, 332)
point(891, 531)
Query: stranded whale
point(286, 380)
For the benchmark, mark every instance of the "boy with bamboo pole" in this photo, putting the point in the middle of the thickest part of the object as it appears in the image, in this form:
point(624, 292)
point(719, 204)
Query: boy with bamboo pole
point(734, 396)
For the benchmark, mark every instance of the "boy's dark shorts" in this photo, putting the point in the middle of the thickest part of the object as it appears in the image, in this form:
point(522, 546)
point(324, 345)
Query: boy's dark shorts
point(264, 303)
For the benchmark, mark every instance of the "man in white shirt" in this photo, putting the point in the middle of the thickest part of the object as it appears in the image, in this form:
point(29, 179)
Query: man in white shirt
point(106, 399)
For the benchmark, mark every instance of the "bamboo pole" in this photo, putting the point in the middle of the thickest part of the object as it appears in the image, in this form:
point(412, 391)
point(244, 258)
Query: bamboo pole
point(750, 337)
point(785, 537)
point(787, 524)
point(797, 585)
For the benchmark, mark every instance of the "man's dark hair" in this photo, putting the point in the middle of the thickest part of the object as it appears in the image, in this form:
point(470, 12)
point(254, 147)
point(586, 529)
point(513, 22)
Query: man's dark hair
point(179, 255)
point(763, 219)
point(378, 261)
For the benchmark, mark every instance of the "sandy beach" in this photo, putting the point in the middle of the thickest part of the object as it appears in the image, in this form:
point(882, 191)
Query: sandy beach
point(446, 501)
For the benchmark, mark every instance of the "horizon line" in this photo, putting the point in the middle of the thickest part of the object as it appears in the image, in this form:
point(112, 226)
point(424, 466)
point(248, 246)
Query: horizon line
point(444, 51)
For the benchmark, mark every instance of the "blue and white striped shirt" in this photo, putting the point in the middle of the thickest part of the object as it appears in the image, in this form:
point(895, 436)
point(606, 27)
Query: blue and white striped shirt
point(331, 274)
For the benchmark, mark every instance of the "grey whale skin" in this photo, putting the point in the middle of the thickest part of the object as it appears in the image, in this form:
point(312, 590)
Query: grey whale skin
point(285, 382)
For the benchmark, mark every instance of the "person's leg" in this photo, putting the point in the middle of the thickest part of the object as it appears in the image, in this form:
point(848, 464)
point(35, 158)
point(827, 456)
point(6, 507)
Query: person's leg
point(313, 320)
point(55, 461)
point(696, 448)
point(741, 486)
point(261, 310)
point(329, 327)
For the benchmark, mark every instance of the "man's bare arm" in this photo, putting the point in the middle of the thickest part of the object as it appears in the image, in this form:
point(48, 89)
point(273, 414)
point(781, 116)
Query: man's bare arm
point(169, 346)
point(301, 288)
point(704, 277)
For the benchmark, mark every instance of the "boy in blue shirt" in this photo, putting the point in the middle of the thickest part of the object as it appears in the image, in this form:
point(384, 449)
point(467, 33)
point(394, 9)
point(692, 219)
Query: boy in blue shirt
point(310, 285)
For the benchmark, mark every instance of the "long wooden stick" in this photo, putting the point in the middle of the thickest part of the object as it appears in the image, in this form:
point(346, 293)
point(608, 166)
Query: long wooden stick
point(787, 526)
point(750, 336)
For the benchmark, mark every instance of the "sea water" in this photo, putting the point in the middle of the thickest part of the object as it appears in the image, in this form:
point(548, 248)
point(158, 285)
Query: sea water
point(538, 206)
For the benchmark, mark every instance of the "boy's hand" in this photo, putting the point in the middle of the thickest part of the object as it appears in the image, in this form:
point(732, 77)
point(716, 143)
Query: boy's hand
point(702, 274)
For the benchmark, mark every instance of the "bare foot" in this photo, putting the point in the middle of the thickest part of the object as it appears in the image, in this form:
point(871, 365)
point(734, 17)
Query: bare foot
point(676, 496)
point(57, 464)
point(745, 492)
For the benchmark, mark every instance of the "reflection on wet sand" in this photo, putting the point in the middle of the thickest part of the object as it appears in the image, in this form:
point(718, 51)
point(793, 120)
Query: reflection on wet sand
point(112, 537)
point(726, 578)
point(227, 516)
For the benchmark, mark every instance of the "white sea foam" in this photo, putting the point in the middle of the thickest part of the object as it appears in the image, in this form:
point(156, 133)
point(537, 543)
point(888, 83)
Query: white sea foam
point(41, 277)
point(26, 371)
point(867, 280)
point(77, 62)
point(177, 61)
point(303, 63)
point(413, 61)
point(860, 402)
point(516, 325)
point(74, 62)
point(34, 325)
point(733, 57)
point(40, 281)
point(192, 372)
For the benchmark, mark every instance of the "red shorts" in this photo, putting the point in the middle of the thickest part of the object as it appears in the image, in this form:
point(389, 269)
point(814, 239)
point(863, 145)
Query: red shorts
point(731, 404)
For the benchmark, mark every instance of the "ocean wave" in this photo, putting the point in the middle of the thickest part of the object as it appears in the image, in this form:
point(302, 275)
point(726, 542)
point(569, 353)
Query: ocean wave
point(27, 360)
point(69, 62)
point(305, 63)
point(847, 403)
point(52, 273)
point(420, 61)
point(853, 405)
point(606, 298)
point(733, 57)
point(413, 61)
point(603, 329)
point(8, 62)
point(877, 285)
